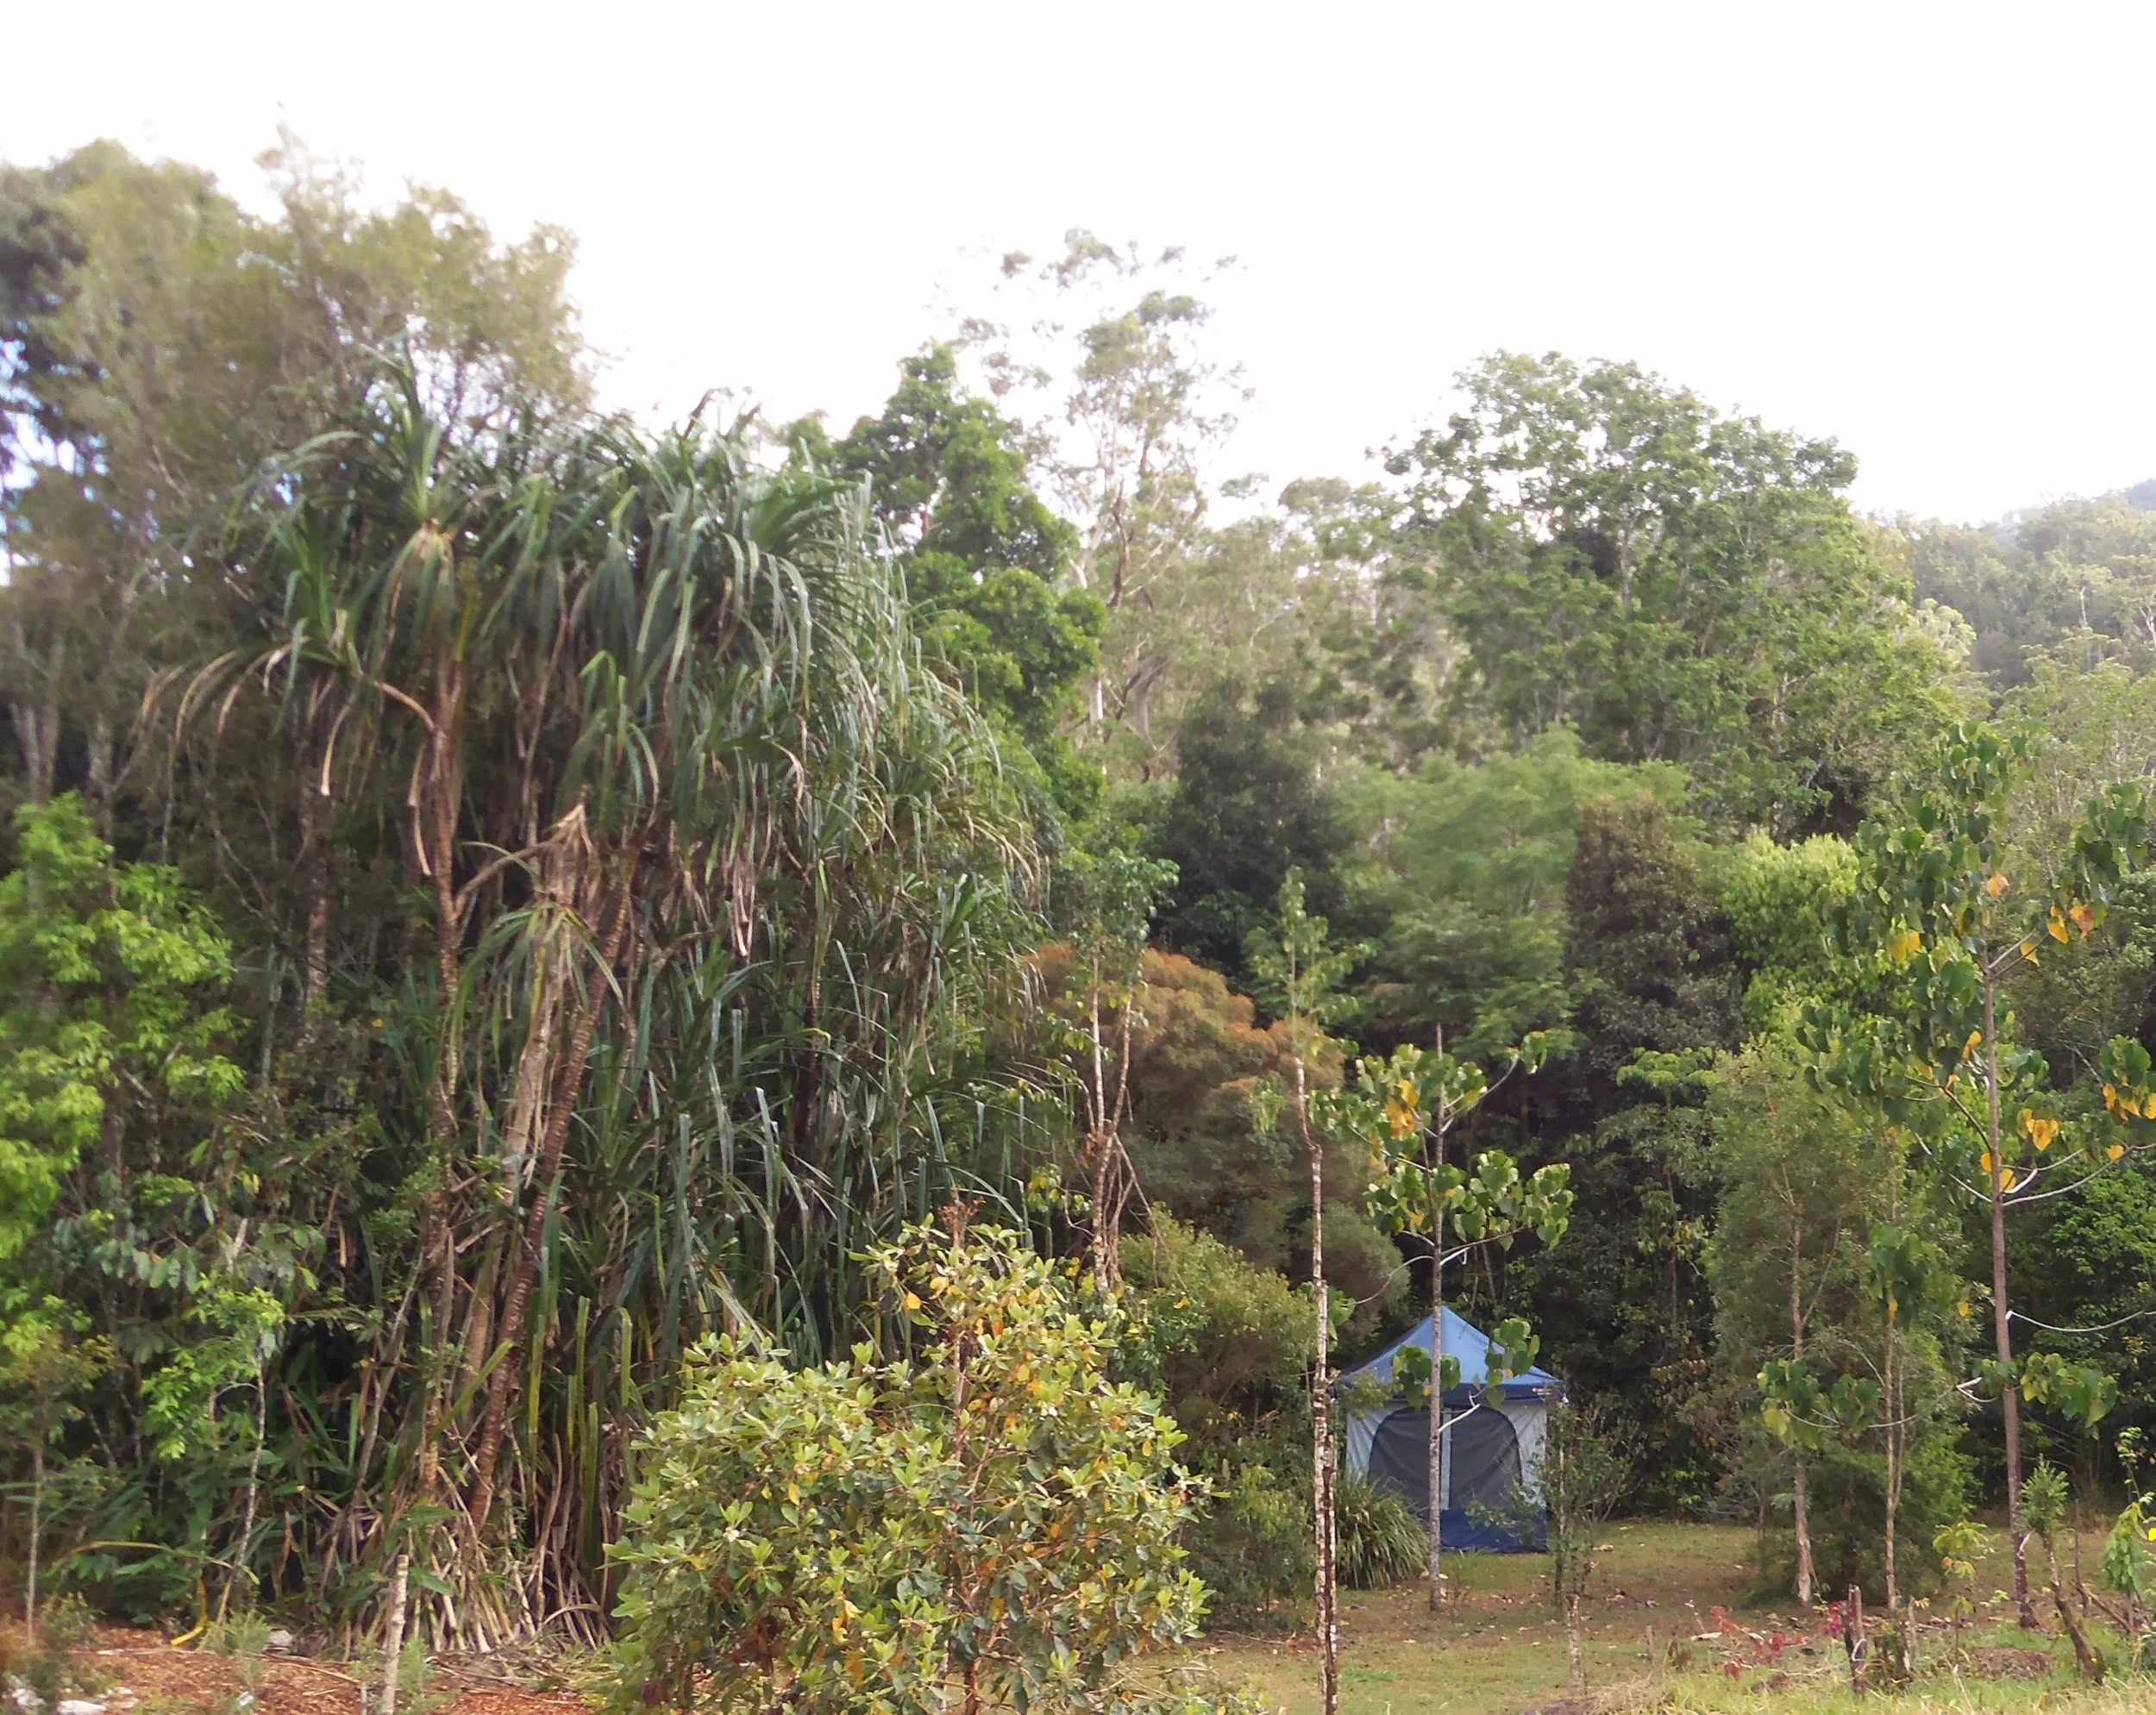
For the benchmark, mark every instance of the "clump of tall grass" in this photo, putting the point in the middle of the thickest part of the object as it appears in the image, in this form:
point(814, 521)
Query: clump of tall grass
point(1380, 1539)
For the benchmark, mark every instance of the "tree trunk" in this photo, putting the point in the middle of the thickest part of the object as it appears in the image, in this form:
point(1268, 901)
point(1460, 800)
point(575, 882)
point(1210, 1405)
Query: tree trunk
point(1799, 1500)
point(2085, 1656)
point(1102, 1149)
point(37, 1529)
point(1893, 1472)
point(37, 734)
point(1572, 1640)
point(315, 806)
point(516, 1307)
point(1852, 1637)
point(1437, 1421)
point(97, 772)
point(2002, 1320)
point(1320, 1417)
point(1806, 1577)
point(393, 1633)
point(435, 800)
point(253, 1480)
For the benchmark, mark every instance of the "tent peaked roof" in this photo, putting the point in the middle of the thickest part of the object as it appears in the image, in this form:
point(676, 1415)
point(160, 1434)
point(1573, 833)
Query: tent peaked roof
point(1467, 1342)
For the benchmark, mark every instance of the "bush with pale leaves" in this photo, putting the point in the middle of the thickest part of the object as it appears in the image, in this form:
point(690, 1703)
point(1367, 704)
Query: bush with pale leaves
point(986, 1520)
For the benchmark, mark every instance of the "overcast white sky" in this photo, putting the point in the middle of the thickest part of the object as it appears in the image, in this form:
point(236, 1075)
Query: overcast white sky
point(1925, 230)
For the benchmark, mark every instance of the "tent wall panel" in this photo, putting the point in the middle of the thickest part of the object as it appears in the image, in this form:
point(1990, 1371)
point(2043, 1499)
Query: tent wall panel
point(1491, 1443)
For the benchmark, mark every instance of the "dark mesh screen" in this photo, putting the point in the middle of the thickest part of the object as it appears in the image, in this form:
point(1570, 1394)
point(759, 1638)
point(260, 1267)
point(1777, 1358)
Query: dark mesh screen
point(1400, 1458)
point(1483, 1449)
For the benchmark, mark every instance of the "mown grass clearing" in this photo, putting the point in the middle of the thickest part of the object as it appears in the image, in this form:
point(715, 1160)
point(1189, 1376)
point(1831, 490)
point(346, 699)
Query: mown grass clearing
point(1500, 1647)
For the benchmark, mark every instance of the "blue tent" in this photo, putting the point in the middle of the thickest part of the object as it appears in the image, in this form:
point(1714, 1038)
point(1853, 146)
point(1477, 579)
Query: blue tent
point(1490, 1441)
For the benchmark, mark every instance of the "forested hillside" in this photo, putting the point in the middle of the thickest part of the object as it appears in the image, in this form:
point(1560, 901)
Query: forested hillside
point(497, 894)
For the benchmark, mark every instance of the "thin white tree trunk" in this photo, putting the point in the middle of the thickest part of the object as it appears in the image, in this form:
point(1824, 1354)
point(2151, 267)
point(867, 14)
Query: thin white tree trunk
point(2002, 1322)
point(393, 1633)
point(254, 1484)
point(1801, 1506)
point(1799, 1499)
point(1321, 1418)
point(1436, 1423)
point(37, 1527)
point(1893, 1469)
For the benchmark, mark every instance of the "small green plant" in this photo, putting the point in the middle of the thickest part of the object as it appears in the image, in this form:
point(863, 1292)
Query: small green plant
point(414, 1695)
point(2044, 1500)
point(2129, 1552)
point(1584, 1469)
point(239, 1634)
point(55, 1668)
point(1958, 1546)
point(1251, 1547)
point(1380, 1541)
point(67, 1623)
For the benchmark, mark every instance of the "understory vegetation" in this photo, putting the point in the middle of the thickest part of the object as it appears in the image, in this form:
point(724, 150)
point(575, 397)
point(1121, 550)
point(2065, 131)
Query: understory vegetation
point(806, 1049)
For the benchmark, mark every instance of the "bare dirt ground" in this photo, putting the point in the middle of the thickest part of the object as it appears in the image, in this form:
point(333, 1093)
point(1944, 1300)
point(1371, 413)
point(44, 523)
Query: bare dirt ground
point(145, 1675)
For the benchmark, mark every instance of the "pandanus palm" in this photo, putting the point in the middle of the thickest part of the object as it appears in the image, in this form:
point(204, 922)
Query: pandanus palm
point(715, 874)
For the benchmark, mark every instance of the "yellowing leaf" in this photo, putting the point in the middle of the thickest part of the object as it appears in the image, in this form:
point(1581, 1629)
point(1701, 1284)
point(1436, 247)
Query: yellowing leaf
point(2058, 927)
point(2029, 951)
point(1984, 1161)
point(1997, 885)
point(912, 1301)
point(2083, 919)
point(1974, 1042)
point(2041, 1132)
point(2115, 1151)
point(1904, 946)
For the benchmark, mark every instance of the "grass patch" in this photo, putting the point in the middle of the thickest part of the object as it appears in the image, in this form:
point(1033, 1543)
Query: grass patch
point(1499, 1647)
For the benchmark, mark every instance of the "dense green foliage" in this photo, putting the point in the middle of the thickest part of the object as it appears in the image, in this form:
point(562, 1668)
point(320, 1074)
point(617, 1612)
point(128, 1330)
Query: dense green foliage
point(109, 974)
point(985, 559)
point(1805, 1178)
point(1675, 586)
point(989, 1519)
point(498, 900)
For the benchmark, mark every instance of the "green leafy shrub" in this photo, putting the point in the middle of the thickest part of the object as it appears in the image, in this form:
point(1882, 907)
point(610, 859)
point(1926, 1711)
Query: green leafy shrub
point(1229, 1346)
point(1380, 1541)
point(104, 968)
point(991, 1517)
point(59, 1666)
point(1253, 1547)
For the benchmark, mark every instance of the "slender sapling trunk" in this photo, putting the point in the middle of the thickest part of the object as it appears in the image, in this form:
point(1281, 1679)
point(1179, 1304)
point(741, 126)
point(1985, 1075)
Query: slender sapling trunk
point(37, 1528)
point(1893, 1466)
point(1437, 1421)
point(394, 1633)
point(1320, 1415)
point(2001, 1318)
point(1799, 1500)
point(1572, 1640)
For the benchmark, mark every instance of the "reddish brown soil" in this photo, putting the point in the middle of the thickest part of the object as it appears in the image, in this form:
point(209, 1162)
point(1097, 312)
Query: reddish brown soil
point(156, 1677)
